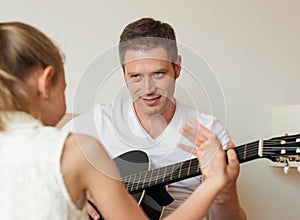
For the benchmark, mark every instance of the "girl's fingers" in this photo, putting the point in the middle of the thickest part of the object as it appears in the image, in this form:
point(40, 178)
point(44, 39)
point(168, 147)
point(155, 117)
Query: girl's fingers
point(193, 135)
point(204, 131)
point(207, 144)
point(196, 151)
point(196, 133)
point(187, 148)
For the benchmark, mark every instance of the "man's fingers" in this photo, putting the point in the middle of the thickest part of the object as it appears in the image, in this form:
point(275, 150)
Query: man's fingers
point(230, 145)
point(232, 159)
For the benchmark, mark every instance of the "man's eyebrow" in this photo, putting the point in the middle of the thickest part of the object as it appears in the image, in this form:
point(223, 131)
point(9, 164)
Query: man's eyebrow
point(132, 73)
point(160, 70)
point(153, 71)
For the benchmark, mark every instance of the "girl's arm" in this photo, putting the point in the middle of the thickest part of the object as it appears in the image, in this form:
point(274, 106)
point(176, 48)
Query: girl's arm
point(87, 166)
point(226, 205)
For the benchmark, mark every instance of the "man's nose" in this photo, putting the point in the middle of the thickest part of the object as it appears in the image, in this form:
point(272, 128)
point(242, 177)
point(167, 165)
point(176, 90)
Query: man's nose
point(149, 85)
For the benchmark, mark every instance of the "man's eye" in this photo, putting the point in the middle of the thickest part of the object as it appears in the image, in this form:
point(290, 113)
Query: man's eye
point(158, 74)
point(135, 76)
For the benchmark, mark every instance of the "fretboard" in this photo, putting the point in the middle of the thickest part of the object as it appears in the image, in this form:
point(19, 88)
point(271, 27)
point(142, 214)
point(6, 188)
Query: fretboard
point(182, 170)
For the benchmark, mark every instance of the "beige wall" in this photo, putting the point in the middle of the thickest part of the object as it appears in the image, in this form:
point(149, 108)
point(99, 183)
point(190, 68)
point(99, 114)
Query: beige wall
point(253, 47)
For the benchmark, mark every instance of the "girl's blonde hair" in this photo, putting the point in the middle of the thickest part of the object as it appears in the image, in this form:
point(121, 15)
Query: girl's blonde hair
point(23, 49)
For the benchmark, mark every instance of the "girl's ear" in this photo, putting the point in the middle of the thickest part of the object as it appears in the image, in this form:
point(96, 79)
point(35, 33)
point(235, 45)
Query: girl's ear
point(44, 81)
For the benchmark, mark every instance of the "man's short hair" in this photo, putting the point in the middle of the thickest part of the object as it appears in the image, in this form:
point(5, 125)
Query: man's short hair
point(147, 33)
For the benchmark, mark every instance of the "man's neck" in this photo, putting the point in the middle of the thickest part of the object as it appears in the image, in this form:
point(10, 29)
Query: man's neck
point(155, 124)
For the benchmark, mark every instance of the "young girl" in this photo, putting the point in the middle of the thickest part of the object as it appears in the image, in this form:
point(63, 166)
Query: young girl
point(45, 172)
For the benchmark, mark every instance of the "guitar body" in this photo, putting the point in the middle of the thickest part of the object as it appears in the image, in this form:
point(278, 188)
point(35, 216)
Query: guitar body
point(153, 199)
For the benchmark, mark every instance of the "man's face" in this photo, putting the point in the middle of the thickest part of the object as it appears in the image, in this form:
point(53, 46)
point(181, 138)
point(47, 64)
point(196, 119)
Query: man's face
point(150, 78)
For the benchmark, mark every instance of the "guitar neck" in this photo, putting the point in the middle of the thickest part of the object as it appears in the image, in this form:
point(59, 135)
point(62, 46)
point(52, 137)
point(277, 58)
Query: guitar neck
point(183, 170)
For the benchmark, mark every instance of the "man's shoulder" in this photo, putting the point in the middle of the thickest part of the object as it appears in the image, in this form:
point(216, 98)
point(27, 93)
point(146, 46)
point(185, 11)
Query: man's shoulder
point(105, 108)
point(208, 120)
point(115, 104)
point(191, 111)
point(100, 113)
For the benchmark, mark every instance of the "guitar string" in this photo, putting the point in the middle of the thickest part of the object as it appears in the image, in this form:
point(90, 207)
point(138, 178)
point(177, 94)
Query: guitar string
point(250, 151)
point(163, 175)
point(184, 169)
point(158, 178)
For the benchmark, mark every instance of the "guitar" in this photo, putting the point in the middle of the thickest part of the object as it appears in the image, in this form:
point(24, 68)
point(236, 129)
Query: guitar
point(147, 186)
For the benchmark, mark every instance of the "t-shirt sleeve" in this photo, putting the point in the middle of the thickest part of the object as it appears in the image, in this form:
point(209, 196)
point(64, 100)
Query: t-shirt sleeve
point(221, 132)
point(83, 124)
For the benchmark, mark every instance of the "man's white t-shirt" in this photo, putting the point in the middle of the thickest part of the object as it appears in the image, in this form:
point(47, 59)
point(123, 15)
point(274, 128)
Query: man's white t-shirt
point(117, 127)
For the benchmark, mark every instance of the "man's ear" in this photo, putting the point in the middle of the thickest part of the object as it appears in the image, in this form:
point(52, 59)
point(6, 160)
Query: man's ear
point(178, 67)
point(44, 81)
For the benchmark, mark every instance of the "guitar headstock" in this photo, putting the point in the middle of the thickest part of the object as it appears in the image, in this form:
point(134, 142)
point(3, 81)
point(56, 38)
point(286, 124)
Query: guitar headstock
point(294, 138)
point(283, 149)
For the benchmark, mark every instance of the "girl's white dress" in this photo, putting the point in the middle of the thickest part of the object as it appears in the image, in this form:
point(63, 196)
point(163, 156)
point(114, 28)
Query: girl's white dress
point(31, 182)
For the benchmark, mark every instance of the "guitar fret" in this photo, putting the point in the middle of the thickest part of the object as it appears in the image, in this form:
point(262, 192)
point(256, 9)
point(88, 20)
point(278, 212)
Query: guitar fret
point(153, 178)
point(194, 166)
point(184, 166)
point(163, 180)
point(171, 176)
point(156, 179)
point(133, 182)
point(149, 183)
point(143, 185)
point(137, 185)
point(177, 170)
point(168, 173)
point(179, 173)
point(189, 169)
point(245, 151)
point(129, 182)
point(125, 182)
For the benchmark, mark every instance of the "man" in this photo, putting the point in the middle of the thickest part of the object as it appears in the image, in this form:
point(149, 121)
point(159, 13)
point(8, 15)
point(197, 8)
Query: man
point(152, 119)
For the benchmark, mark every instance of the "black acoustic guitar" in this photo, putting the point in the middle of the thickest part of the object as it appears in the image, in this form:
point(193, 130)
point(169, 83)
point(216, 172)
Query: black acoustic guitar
point(147, 186)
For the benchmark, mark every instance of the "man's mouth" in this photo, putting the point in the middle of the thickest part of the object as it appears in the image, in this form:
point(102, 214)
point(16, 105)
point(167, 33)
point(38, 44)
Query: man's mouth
point(151, 101)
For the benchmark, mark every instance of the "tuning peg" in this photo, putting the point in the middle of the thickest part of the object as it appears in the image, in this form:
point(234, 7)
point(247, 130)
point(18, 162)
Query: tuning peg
point(298, 169)
point(286, 169)
point(282, 142)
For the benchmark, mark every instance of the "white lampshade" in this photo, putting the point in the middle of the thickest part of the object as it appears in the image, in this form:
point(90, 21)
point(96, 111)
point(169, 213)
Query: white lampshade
point(285, 120)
